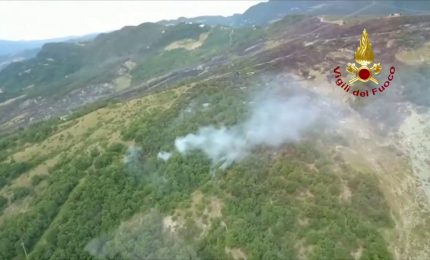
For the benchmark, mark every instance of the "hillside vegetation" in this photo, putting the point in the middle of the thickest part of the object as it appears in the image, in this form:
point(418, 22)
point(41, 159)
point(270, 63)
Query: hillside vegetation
point(109, 180)
point(72, 189)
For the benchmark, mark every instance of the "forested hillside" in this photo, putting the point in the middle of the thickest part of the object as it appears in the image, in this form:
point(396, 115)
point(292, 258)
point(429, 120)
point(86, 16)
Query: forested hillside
point(94, 186)
point(192, 141)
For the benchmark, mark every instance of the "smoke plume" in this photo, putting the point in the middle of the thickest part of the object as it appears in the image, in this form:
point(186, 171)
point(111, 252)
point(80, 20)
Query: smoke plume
point(165, 156)
point(274, 120)
point(141, 237)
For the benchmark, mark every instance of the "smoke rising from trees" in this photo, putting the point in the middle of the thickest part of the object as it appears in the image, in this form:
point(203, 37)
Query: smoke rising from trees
point(274, 120)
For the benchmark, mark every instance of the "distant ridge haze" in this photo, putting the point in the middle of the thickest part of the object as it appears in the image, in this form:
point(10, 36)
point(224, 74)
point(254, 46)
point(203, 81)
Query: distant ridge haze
point(13, 47)
point(236, 14)
point(50, 19)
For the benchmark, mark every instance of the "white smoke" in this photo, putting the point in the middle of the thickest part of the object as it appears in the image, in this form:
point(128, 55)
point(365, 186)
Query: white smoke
point(132, 155)
point(274, 120)
point(165, 156)
point(142, 237)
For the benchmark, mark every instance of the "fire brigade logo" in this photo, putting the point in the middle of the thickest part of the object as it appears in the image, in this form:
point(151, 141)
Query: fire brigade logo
point(364, 72)
point(364, 56)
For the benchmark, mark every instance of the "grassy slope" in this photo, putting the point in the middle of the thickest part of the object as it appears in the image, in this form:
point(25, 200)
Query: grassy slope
point(265, 206)
point(306, 201)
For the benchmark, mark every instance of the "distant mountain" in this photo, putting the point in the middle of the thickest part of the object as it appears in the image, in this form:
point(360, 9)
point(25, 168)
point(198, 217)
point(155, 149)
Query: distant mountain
point(267, 12)
point(73, 64)
point(13, 47)
point(9, 48)
point(19, 56)
point(14, 51)
point(69, 74)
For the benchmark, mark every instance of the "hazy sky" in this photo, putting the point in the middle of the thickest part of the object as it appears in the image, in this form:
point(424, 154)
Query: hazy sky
point(30, 20)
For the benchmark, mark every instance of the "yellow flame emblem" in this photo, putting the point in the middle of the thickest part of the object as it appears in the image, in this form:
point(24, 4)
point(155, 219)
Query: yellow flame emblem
point(364, 56)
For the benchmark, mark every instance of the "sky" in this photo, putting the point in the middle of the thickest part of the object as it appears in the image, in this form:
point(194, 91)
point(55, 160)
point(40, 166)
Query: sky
point(36, 20)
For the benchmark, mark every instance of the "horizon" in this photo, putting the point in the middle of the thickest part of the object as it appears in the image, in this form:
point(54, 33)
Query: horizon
point(47, 20)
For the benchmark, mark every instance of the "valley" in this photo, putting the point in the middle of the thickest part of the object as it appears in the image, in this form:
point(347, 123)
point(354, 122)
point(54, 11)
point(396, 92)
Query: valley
point(177, 140)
